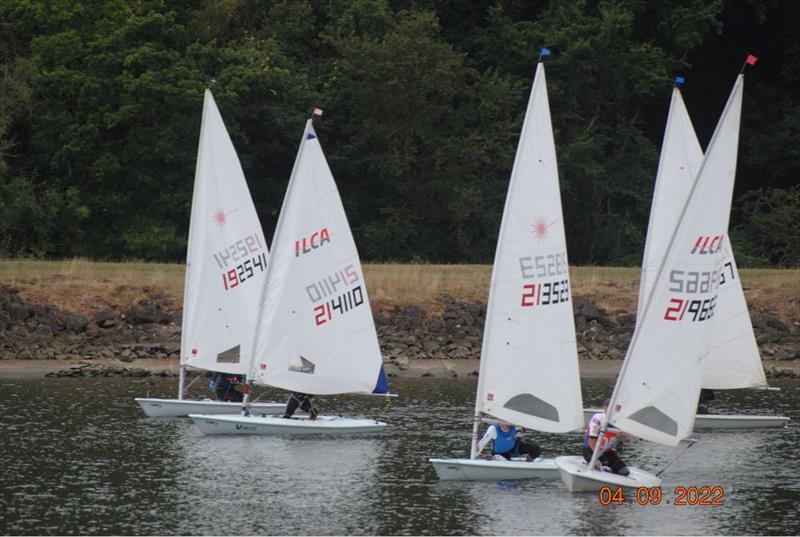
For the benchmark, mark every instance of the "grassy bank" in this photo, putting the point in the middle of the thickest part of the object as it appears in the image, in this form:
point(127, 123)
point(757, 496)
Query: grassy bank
point(87, 286)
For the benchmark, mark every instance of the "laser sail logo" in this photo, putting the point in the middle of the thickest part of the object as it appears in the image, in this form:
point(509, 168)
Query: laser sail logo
point(308, 244)
point(707, 244)
point(220, 217)
point(541, 229)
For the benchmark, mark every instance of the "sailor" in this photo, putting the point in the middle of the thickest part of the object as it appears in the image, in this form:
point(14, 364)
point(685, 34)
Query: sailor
point(611, 438)
point(706, 396)
point(304, 401)
point(506, 442)
point(224, 386)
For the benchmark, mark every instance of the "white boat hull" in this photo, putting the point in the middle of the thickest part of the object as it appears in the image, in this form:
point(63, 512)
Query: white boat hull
point(739, 421)
point(494, 470)
point(704, 422)
point(270, 425)
point(170, 408)
point(577, 476)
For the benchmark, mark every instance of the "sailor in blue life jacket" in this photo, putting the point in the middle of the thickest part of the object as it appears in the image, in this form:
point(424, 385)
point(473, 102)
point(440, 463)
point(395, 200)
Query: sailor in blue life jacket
point(611, 438)
point(507, 443)
point(224, 386)
point(304, 401)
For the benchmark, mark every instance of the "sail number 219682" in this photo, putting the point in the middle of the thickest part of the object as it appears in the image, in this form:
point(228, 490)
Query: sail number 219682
point(653, 496)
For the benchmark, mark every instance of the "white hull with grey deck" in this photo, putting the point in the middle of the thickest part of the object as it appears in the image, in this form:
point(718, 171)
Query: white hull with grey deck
point(705, 422)
point(577, 476)
point(173, 408)
point(270, 425)
point(494, 470)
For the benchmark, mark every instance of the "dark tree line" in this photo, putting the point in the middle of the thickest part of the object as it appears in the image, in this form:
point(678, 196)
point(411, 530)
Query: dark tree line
point(100, 111)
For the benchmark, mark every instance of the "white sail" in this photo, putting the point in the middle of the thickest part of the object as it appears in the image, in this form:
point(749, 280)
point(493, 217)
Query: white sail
point(226, 260)
point(681, 157)
point(529, 361)
point(658, 388)
point(734, 360)
point(315, 330)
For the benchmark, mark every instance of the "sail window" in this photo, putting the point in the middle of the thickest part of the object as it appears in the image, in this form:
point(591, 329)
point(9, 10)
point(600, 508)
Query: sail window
point(533, 406)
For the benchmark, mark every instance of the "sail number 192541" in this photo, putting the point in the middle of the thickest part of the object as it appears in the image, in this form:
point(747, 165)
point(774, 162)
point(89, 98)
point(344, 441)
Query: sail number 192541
point(231, 278)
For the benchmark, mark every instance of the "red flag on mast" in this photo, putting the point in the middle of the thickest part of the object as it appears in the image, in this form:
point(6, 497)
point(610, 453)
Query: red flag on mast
point(751, 60)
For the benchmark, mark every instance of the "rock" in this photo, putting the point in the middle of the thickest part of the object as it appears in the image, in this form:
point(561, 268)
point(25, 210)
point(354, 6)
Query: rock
point(75, 323)
point(17, 312)
point(43, 330)
point(586, 309)
point(436, 325)
point(608, 322)
point(106, 319)
point(144, 313)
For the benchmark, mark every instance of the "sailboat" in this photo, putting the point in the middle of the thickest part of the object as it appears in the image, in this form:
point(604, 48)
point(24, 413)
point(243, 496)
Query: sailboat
point(226, 266)
point(315, 331)
point(658, 387)
point(529, 360)
point(733, 360)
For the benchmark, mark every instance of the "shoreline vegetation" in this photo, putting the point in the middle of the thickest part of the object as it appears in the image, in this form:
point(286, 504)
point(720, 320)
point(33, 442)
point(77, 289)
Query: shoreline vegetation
point(84, 318)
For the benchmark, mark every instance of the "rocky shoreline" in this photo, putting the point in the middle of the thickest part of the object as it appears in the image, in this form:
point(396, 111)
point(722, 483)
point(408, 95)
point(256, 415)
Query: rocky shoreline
point(144, 339)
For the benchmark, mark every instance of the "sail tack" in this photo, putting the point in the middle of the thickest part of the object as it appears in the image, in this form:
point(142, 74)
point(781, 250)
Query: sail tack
point(226, 261)
point(657, 391)
point(315, 329)
point(529, 367)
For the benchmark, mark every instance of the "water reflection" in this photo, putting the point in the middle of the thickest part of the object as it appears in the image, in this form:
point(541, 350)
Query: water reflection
point(79, 457)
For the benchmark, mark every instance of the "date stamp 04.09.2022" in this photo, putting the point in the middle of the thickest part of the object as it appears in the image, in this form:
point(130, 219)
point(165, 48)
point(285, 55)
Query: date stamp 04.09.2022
point(684, 496)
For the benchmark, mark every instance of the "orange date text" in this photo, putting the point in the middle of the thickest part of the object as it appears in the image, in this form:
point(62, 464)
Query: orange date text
point(682, 496)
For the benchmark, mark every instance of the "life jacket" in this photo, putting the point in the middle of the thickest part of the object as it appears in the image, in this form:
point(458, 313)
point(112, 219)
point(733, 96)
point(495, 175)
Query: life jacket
point(506, 440)
point(609, 438)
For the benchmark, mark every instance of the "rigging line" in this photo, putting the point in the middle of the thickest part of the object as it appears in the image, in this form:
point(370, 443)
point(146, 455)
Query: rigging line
point(198, 377)
point(692, 441)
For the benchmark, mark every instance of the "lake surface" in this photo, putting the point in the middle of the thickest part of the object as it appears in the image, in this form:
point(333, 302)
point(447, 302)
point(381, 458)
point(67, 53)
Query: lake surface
point(79, 457)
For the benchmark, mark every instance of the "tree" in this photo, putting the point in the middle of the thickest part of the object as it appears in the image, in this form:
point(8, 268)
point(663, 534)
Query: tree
point(768, 234)
point(417, 139)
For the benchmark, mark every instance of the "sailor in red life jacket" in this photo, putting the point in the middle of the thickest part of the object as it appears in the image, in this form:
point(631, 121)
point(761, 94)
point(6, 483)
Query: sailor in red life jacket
point(611, 438)
point(506, 442)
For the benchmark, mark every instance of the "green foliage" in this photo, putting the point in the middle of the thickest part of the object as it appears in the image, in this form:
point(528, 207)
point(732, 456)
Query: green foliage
point(33, 221)
point(420, 157)
point(769, 234)
point(100, 107)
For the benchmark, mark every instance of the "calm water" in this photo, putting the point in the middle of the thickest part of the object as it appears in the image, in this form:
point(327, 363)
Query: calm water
point(78, 457)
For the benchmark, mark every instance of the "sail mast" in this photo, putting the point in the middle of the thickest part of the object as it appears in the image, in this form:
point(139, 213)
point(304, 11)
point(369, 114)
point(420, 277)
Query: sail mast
point(192, 231)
